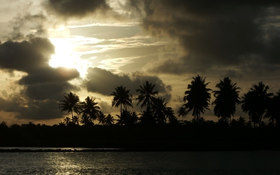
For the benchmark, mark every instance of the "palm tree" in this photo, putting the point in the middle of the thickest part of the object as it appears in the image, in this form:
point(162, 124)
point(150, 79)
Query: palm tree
point(169, 112)
point(121, 98)
point(67, 121)
point(85, 119)
point(226, 99)
point(75, 120)
point(101, 118)
point(273, 109)
point(90, 109)
point(197, 97)
point(127, 118)
point(147, 94)
point(159, 110)
point(255, 101)
point(109, 120)
point(70, 104)
point(182, 112)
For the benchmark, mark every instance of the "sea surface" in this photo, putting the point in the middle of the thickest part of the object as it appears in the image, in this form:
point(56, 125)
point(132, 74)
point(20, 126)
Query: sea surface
point(138, 163)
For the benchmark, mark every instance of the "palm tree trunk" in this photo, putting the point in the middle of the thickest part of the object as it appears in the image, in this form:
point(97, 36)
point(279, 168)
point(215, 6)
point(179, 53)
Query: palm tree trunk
point(72, 115)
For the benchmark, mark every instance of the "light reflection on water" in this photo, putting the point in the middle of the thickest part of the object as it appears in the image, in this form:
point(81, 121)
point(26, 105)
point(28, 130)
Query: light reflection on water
point(119, 163)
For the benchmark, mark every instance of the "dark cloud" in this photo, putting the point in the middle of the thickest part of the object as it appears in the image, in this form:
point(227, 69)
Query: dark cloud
point(42, 84)
point(105, 82)
point(214, 33)
point(26, 56)
point(31, 109)
point(74, 8)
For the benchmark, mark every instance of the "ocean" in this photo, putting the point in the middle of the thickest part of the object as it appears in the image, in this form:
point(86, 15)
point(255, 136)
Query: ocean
point(140, 163)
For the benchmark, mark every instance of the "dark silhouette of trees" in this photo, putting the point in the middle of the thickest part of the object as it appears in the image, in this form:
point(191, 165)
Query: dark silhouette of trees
point(255, 102)
point(172, 119)
point(67, 121)
point(147, 95)
point(122, 98)
point(109, 120)
point(147, 98)
point(85, 119)
point(159, 110)
point(227, 97)
point(75, 120)
point(162, 113)
point(70, 104)
point(101, 118)
point(197, 97)
point(89, 109)
point(273, 109)
point(127, 118)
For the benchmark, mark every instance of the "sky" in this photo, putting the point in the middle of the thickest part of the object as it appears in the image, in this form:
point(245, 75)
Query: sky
point(51, 47)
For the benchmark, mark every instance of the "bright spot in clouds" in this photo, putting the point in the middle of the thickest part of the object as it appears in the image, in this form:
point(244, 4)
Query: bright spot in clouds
point(65, 56)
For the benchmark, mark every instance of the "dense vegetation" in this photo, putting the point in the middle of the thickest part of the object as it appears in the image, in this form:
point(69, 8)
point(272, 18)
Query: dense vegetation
point(157, 127)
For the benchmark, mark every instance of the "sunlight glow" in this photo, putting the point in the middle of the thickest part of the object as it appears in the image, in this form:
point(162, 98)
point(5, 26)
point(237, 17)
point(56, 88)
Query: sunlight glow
point(65, 56)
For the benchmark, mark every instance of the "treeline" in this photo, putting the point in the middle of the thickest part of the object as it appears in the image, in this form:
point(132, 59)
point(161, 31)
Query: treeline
point(258, 103)
point(206, 135)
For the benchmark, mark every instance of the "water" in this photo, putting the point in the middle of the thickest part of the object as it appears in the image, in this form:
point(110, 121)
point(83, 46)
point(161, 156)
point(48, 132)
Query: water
point(140, 163)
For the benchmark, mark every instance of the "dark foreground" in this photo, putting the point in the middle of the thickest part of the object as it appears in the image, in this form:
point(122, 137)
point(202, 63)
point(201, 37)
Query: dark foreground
point(140, 138)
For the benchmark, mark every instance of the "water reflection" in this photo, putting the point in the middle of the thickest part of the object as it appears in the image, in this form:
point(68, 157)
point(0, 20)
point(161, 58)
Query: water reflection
point(118, 163)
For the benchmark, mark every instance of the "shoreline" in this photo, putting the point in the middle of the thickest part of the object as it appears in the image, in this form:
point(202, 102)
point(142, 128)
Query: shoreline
point(130, 149)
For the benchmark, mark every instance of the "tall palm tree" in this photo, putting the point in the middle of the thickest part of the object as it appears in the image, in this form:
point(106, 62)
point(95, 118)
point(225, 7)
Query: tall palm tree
point(197, 97)
point(122, 98)
point(147, 94)
point(89, 108)
point(70, 104)
point(226, 99)
point(255, 101)
point(273, 109)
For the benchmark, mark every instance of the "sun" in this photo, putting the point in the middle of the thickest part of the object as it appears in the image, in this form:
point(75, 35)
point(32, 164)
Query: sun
point(65, 56)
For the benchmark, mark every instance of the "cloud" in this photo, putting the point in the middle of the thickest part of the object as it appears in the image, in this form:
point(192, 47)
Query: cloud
point(30, 109)
point(74, 8)
point(26, 56)
point(42, 85)
point(213, 33)
point(104, 82)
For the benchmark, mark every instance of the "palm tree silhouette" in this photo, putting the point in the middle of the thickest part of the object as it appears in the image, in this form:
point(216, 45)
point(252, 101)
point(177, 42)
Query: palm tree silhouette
point(159, 110)
point(85, 119)
point(182, 112)
point(255, 102)
point(109, 120)
point(101, 118)
point(147, 94)
point(75, 120)
point(70, 104)
point(67, 121)
point(226, 99)
point(89, 109)
point(197, 97)
point(169, 112)
point(122, 98)
point(273, 109)
point(127, 118)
